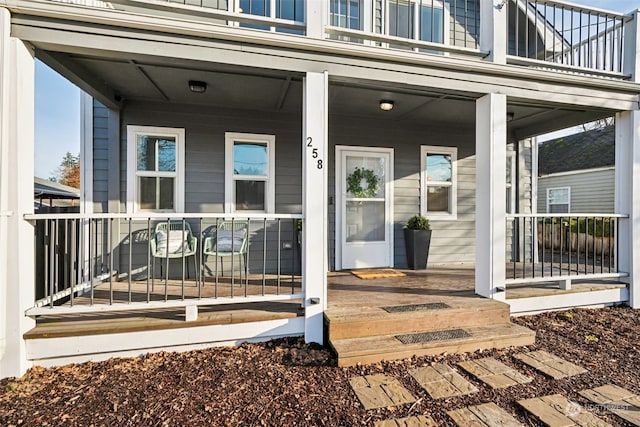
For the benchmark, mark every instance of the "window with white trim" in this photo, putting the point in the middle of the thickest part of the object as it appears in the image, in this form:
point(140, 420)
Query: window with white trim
point(559, 200)
point(438, 182)
point(417, 20)
point(155, 169)
point(292, 10)
point(346, 14)
point(511, 188)
point(249, 172)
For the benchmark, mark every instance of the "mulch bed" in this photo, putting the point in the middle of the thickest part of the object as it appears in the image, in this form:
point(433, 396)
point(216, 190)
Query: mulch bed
point(288, 383)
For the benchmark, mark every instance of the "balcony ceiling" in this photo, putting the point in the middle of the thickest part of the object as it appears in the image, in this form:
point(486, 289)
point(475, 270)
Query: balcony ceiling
point(150, 79)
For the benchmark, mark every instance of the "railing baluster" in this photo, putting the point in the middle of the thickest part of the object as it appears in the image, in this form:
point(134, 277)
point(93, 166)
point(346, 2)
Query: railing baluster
point(72, 259)
point(279, 240)
point(233, 272)
point(149, 237)
point(294, 245)
point(130, 239)
point(246, 258)
point(182, 244)
point(200, 280)
point(216, 261)
point(110, 246)
point(91, 266)
point(166, 254)
point(264, 254)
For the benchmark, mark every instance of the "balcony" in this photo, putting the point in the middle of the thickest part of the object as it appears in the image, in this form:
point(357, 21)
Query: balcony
point(545, 34)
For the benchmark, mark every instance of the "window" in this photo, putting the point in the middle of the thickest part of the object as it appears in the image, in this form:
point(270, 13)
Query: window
point(418, 21)
point(558, 200)
point(249, 172)
point(292, 10)
point(438, 182)
point(511, 187)
point(155, 169)
point(346, 14)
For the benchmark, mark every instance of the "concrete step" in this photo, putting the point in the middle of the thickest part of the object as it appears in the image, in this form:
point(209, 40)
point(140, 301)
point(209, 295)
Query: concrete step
point(357, 322)
point(372, 349)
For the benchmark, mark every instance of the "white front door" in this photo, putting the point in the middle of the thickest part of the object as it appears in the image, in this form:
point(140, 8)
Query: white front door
point(364, 196)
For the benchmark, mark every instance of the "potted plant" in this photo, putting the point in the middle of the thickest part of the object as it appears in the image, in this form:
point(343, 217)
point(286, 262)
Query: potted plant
point(417, 238)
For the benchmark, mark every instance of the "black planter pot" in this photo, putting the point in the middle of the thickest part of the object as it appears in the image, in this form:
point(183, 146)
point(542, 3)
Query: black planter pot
point(417, 243)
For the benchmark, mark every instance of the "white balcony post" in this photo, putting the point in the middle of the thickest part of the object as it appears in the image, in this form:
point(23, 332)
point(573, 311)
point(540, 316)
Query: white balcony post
point(316, 17)
point(491, 163)
point(314, 204)
point(627, 199)
point(632, 47)
point(16, 197)
point(493, 29)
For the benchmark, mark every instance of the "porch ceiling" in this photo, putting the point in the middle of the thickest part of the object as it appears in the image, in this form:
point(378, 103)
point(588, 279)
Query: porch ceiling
point(148, 78)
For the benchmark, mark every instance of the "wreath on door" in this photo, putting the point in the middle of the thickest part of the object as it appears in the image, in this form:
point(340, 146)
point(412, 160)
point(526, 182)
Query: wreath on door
point(363, 183)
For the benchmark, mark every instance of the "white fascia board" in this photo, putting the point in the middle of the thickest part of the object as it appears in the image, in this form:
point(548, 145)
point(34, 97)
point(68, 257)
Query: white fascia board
point(246, 36)
point(576, 172)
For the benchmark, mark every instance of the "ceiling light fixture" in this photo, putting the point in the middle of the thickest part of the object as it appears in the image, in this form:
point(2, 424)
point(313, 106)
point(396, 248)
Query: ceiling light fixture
point(197, 86)
point(386, 105)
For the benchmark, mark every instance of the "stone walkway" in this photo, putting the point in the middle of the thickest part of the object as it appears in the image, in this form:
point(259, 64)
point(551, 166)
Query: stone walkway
point(441, 381)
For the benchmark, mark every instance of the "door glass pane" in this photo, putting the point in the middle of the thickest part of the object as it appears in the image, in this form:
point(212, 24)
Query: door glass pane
point(156, 193)
point(437, 199)
point(365, 177)
point(365, 221)
point(250, 159)
point(250, 195)
point(439, 167)
point(156, 153)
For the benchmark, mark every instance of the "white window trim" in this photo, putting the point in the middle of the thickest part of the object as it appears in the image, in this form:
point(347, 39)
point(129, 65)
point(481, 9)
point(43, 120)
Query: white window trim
point(229, 178)
point(568, 197)
point(511, 186)
point(132, 173)
point(437, 4)
point(452, 215)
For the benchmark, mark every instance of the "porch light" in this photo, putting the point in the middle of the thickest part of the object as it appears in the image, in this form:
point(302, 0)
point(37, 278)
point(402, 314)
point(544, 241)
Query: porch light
point(197, 86)
point(386, 105)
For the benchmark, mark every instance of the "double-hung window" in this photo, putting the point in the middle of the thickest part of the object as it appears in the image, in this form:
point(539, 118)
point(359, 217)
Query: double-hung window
point(438, 180)
point(423, 20)
point(155, 169)
point(292, 10)
point(249, 172)
point(346, 14)
point(559, 200)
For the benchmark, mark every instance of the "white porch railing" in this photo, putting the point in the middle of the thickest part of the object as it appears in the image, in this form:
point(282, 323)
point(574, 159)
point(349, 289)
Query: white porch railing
point(121, 262)
point(565, 36)
point(562, 247)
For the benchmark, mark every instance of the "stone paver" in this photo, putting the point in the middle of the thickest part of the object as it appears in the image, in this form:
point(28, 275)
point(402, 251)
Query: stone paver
point(417, 421)
point(494, 373)
point(380, 391)
point(550, 364)
point(617, 400)
point(557, 411)
point(485, 415)
point(442, 381)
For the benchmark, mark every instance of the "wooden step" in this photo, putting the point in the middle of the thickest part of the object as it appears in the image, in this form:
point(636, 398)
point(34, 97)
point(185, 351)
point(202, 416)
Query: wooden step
point(373, 349)
point(357, 322)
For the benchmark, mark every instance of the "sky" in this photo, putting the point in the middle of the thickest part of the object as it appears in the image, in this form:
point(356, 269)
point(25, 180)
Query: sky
point(57, 106)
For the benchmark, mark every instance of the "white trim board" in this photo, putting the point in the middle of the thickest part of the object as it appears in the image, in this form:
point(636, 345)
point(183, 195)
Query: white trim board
point(520, 306)
point(577, 172)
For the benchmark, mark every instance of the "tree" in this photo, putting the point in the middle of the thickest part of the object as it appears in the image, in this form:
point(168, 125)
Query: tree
point(598, 124)
point(68, 173)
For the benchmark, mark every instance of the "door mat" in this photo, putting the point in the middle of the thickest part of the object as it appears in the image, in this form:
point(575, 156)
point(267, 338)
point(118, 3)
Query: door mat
point(377, 273)
point(415, 307)
point(422, 337)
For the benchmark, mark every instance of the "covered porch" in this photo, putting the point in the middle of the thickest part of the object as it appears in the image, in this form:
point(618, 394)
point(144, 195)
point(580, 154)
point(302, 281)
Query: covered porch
point(320, 118)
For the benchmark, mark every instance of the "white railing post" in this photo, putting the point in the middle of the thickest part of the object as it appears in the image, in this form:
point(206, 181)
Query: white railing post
point(314, 204)
point(627, 199)
point(631, 36)
point(491, 163)
point(493, 29)
point(16, 195)
point(316, 17)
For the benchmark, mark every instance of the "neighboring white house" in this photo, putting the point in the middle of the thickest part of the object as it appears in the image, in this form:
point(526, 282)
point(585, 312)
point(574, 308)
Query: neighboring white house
point(251, 119)
point(576, 173)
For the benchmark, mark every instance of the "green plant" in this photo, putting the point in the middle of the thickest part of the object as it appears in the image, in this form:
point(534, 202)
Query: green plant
point(568, 315)
point(418, 222)
point(591, 338)
point(363, 183)
point(11, 387)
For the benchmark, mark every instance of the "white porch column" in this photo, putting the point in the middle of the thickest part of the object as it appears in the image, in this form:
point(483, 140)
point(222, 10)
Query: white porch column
point(627, 199)
point(632, 47)
point(491, 163)
point(314, 204)
point(317, 16)
point(493, 29)
point(16, 198)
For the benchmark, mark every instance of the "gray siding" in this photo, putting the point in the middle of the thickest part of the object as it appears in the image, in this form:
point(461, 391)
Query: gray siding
point(100, 157)
point(591, 191)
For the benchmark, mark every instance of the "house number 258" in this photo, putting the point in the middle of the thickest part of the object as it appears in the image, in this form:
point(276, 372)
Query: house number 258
point(314, 152)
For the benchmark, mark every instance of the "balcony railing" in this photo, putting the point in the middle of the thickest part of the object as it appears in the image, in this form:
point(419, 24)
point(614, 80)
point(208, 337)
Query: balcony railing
point(566, 36)
point(118, 262)
point(562, 247)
